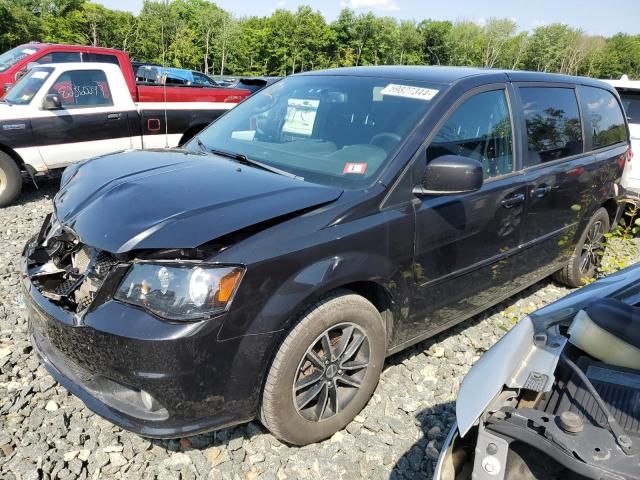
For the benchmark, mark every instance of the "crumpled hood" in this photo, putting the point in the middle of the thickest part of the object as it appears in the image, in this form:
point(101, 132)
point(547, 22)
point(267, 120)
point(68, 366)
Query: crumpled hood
point(174, 199)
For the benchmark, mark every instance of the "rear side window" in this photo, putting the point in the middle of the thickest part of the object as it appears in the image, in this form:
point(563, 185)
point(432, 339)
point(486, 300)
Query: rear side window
point(553, 123)
point(59, 57)
point(631, 104)
point(103, 58)
point(480, 128)
point(603, 116)
point(83, 88)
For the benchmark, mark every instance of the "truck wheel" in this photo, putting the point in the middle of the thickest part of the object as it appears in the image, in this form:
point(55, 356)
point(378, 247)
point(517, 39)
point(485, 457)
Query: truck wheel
point(325, 370)
point(10, 180)
point(586, 257)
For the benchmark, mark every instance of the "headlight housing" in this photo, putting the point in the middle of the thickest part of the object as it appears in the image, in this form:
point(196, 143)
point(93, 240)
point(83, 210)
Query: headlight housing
point(180, 292)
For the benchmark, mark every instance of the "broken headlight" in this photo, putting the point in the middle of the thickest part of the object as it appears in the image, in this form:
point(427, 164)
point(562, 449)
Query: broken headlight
point(180, 292)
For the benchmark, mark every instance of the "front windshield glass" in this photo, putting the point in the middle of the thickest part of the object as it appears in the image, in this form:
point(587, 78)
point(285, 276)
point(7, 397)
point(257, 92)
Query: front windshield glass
point(13, 56)
point(23, 92)
point(332, 130)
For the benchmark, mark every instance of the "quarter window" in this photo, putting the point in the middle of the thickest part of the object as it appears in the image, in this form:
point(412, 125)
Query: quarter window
point(605, 117)
point(83, 88)
point(480, 128)
point(553, 123)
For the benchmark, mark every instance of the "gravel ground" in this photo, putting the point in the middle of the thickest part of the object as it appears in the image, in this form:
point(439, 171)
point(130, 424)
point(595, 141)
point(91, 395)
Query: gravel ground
point(47, 433)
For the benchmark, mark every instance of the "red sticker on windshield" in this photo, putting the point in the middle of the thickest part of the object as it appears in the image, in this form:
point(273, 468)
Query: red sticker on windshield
point(358, 168)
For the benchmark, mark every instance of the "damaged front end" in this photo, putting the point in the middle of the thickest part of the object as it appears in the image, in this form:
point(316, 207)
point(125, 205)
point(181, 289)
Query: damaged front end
point(64, 270)
point(123, 358)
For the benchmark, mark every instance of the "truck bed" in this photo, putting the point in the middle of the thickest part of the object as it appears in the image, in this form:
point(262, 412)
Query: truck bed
point(160, 93)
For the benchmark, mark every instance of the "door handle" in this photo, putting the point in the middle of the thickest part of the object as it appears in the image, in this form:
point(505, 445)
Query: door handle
point(512, 201)
point(113, 116)
point(540, 191)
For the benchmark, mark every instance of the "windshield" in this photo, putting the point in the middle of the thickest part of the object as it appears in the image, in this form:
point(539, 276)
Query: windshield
point(23, 92)
point(332, 130)
point(10, 58)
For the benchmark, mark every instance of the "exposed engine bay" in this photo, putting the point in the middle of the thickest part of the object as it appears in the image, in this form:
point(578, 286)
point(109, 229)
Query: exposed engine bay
point(579, 419)
point(66, 271)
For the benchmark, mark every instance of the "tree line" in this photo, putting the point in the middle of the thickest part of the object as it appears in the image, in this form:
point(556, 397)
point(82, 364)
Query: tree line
point(197, 34)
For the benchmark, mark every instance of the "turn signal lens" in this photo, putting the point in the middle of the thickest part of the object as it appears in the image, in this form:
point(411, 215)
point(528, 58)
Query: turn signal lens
point(228, 285)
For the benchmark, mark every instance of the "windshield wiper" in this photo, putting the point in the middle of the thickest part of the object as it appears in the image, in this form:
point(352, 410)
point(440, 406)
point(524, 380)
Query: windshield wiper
point(241, 158)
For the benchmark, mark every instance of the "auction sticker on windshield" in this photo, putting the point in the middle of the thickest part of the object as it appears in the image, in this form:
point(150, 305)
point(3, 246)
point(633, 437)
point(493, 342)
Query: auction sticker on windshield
point(409, 91)
point(358, 168)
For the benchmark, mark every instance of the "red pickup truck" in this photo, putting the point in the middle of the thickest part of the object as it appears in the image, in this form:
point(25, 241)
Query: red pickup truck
point(13, 65)
point(70, 103)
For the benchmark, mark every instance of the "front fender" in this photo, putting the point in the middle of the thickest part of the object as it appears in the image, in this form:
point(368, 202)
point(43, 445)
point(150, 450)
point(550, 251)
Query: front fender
point(303, 287)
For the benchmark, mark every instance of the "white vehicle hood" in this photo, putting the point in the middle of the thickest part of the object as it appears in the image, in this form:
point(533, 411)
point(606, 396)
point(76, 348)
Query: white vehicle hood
point(8, 113)
point(512, 361)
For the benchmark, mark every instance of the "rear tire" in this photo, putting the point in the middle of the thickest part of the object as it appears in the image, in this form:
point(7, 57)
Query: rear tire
point(584, 262)
point(10, 180)
point(310, 394)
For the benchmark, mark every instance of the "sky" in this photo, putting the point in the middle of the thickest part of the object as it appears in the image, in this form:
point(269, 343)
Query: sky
point(595, 17)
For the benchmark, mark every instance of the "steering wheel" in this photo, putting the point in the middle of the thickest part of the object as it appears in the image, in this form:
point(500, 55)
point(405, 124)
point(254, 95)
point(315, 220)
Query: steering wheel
point(385, 140)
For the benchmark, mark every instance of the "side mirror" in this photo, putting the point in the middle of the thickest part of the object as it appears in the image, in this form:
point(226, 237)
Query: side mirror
point(450, 175)
point(52, 102)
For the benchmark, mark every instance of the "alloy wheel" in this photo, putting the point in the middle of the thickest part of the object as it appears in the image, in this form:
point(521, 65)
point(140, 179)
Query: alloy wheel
point(592, 248)
point(331, 372)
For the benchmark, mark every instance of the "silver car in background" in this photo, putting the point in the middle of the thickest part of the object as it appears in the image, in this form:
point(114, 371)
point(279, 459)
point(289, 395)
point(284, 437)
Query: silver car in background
point(558, 397)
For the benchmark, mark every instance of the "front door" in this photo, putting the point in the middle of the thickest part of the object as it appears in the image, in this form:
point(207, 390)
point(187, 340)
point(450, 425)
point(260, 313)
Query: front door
point(465, 244)
point(88, 124)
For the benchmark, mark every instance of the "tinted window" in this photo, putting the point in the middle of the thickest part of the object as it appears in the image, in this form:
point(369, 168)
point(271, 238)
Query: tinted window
point(480, 129)
point(603, 116)
point(631, 104)
point(553, 123)
point(148, 74)
point(83, 88)
point(59, 57)
point(103, 58)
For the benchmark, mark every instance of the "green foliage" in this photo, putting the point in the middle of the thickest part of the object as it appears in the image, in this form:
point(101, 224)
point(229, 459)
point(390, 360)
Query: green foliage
point(200, 35)
point(621, 246)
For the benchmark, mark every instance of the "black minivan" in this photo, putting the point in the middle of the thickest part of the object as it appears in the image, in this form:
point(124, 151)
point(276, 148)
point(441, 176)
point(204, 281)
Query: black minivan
point(334, 218)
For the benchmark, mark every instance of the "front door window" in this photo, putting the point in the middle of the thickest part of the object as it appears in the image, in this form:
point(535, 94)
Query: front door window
point(480, 128)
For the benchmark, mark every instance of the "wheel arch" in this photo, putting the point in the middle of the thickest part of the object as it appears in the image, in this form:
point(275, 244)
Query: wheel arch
point(14, 155)
point(379, 296)
point(611, 206)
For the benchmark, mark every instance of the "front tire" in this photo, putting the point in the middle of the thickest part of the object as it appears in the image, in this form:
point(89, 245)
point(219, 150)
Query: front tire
point(585, 260)
point(325, 370)
point(10, 180)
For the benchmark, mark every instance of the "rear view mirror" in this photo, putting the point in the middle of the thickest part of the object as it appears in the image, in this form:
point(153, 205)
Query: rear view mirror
point(52, 102)
point(450, 175)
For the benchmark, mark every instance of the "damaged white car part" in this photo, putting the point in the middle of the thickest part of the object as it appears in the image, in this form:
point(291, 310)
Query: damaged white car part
point(558, 395)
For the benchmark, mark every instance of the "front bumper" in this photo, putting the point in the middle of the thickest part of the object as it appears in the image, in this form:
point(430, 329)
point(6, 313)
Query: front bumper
point(115, 351)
